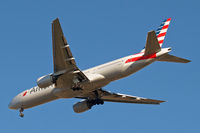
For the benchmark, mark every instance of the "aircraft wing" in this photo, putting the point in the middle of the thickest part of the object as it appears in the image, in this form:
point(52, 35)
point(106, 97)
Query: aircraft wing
point(63, 60)
point(123, 98)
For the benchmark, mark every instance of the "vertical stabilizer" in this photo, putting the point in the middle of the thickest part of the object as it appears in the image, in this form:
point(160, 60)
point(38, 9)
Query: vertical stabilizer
point(154, 42)
point(162, 30)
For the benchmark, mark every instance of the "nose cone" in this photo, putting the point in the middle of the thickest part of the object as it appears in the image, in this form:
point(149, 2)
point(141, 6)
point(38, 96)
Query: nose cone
point(15, 103)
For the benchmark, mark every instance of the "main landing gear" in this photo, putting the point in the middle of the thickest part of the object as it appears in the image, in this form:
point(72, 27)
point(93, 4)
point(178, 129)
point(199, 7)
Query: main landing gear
point(76, 88)
point(77, 84)
point(95, 102)
point(20, 112)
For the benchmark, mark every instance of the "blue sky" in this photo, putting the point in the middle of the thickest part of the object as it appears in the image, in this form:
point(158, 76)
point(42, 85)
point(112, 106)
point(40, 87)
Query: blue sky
point(101, 31)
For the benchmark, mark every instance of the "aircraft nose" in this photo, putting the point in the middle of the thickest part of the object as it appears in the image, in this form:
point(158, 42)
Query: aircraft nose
point(15, 103)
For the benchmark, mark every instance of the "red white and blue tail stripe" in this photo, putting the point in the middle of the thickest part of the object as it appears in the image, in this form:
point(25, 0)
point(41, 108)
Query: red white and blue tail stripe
point(162, 30)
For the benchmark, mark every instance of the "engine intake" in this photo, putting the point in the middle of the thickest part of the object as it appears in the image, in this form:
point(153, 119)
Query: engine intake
point(46, 81)
point(81, 106)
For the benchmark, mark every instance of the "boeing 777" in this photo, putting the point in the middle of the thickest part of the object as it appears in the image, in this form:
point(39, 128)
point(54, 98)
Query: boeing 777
point(68, 81)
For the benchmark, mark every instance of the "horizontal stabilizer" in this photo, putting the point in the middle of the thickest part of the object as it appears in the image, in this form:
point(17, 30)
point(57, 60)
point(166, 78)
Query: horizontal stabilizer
point(171, 58)
point(152, 45)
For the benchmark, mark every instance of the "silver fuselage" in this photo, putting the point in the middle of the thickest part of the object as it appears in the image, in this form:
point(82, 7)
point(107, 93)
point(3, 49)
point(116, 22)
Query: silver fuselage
point(99, 76)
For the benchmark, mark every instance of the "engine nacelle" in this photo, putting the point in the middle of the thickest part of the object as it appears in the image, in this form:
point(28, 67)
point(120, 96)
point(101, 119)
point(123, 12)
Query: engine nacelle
point(45, 81)
point(81, 106)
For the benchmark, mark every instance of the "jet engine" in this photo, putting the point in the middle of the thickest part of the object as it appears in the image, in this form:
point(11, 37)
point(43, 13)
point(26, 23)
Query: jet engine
point(85, 105)
point(82, 106)
point(46, 81)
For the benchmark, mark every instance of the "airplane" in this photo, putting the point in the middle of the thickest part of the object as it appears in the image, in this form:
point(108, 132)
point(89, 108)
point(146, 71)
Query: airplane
point(68, 81)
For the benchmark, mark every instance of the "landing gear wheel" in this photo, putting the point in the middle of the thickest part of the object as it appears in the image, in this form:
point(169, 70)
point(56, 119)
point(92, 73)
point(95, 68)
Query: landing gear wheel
point(77, 88)
point(99, 101)
point(102, 102)
point(96, 102)
point(21, 115)
point(20, 111)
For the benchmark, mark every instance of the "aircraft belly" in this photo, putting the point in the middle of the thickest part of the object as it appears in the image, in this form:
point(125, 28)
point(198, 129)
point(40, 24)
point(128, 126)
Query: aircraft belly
point(113, 72)
point(130, 68)
point(104, 77)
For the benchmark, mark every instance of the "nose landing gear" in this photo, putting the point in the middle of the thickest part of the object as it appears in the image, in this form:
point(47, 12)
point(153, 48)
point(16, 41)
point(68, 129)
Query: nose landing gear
point(20, 112)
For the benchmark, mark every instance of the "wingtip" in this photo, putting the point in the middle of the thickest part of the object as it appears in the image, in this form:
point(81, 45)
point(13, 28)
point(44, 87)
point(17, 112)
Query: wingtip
point(169, 19)
point(162, 101)
point(57, 19)
point(188, 61)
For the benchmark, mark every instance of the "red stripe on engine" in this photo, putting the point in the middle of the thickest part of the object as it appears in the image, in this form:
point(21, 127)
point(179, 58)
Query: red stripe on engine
point(141, 58)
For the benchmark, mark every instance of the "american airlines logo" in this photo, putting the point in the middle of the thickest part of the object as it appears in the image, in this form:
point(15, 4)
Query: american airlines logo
point(37, 89)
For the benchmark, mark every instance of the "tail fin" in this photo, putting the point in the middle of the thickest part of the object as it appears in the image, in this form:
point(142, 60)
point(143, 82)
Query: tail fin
point(162, 30)
point(154, 42)
point(171, 58)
